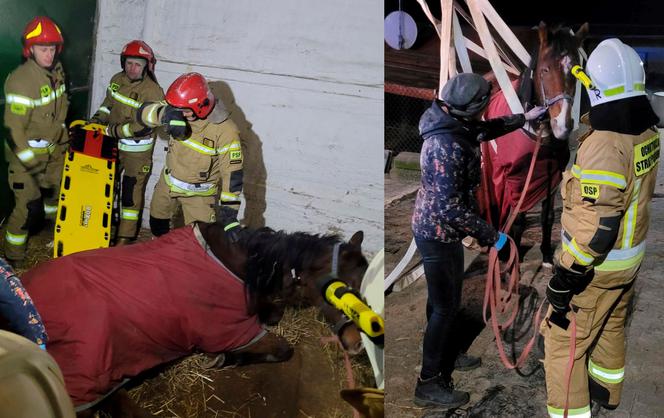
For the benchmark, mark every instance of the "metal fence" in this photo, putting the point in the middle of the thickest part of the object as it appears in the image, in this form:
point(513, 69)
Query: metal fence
point(402, 116)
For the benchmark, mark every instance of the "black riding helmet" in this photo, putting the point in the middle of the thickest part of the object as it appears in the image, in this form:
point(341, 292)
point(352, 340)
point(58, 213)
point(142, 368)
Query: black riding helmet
point(465, 94)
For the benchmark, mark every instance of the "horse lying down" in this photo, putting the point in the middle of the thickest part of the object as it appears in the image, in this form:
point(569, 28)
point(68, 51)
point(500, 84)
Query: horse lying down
point(113, 313)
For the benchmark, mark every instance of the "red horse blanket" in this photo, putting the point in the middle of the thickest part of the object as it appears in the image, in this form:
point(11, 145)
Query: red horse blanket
point(113, 313)
point(505, 164)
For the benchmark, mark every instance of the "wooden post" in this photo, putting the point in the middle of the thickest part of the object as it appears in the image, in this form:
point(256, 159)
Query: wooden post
point(461, 50)
point(504, 31)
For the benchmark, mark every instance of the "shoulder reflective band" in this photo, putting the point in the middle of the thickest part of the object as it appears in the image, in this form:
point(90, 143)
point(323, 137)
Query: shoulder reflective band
point(608, 178)
point(198, 147)
point(233, 146)
point(124, 99)
point(646, 155)
point(26, 101)
point(151, 117)
point(231, 226)
point(16, 239)
point(577, 71)
point(189, 189)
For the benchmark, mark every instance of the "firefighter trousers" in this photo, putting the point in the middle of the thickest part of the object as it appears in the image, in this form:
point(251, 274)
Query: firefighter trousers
point(35, 198)
point(599, 359)
point(194, 208)
point(135, 168)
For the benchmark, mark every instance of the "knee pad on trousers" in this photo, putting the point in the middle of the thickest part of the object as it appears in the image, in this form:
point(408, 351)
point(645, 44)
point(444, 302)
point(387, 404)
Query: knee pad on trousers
point(36, 216)
point(599, 394)
point(128, 184)
point(159, 226)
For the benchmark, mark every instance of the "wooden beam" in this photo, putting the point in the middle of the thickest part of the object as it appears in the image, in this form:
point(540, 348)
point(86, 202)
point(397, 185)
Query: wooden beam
point(493, 57)
point(447, 7)
point(504, 31)
point(460, 46)
point(435, 22)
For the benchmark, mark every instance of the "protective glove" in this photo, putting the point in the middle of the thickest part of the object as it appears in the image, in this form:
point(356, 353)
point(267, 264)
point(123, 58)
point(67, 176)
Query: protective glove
point(535, 113)
point(564, 284)
point(502, 247)
point(175, 123)
point(42, 346)
point(232, 228)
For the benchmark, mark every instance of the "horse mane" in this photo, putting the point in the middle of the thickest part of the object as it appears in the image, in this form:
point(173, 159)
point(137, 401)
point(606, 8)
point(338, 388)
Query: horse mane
point(561, 38)
point(270, 253)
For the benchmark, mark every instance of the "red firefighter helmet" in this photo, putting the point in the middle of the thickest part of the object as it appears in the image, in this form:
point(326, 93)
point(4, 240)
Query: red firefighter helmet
point(41, 31)
point(138, 49)
point(191, 91)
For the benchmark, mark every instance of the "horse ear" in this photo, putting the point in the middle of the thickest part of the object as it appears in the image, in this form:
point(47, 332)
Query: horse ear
point(543, 33)
point(357, 238)
point(582, 33)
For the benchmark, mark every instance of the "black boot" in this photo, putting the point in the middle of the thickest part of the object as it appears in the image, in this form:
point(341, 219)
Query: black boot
point(439, 392)
point(465, 362)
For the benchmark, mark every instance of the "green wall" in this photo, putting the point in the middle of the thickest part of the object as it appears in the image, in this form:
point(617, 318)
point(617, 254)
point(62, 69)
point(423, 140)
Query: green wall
point(76, 19)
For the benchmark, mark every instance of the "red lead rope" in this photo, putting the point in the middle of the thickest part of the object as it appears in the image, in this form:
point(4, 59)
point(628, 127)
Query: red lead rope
point(497, 304)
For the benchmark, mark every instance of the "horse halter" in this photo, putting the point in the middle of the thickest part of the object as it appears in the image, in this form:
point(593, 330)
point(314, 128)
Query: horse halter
point(562, 96)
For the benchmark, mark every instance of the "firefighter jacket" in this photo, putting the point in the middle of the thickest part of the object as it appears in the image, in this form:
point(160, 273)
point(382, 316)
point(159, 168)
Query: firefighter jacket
point(445, 208)
point(207, 163)
point(120, 107)
point(606, 198)
point(35, 111)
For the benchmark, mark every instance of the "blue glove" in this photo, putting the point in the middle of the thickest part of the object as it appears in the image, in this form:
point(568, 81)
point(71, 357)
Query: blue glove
point(502, 240)
point(42, 346)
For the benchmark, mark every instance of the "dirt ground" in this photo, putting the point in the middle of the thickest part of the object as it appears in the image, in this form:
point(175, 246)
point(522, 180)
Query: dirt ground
point(495, 391)
point(308, 385)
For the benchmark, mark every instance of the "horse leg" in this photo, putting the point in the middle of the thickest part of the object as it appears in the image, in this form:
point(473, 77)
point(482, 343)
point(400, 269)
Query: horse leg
point(269, 349)
point(547, 227)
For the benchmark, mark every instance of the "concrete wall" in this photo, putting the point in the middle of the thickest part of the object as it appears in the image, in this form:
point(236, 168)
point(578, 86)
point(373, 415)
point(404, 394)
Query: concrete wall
point(304, 80)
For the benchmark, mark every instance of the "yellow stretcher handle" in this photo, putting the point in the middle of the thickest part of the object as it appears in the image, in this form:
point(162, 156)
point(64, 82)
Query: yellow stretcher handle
point(339, 295)
point(88, 126)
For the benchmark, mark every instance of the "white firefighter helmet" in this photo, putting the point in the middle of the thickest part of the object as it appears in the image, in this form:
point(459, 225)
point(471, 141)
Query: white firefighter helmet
point(616, 72)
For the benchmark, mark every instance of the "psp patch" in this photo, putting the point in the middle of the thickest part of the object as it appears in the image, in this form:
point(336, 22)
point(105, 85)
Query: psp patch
point(590, 191)
point(45, 90)
point(115, 87)
point(235, 157)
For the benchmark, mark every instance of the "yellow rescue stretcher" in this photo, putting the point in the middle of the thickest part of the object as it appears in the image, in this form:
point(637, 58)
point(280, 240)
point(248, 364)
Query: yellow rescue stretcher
point(85, 205)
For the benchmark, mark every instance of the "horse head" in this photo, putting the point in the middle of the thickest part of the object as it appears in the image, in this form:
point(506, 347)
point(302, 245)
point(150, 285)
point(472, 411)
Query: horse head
point(553, 81)
point(345, 262)
point(286, 269)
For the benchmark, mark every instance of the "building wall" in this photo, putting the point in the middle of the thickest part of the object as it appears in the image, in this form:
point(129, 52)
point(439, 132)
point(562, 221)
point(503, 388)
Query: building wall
point(304, 81)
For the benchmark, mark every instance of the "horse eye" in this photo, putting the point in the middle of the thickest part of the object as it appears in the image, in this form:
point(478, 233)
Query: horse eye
point(545, 70)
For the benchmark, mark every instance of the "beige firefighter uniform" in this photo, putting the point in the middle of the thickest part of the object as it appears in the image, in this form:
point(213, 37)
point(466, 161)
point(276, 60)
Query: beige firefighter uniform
point(135, 142)
point(608, 189)
point(35, 111)
point(201, 172)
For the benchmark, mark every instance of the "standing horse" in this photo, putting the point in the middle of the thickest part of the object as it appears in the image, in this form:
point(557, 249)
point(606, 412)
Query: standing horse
point(113, 313)
point(506, 161)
